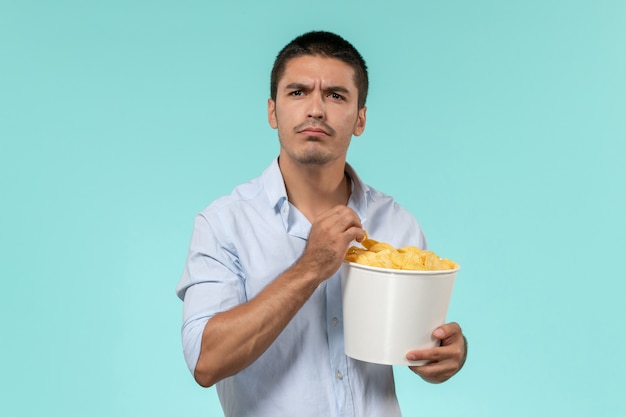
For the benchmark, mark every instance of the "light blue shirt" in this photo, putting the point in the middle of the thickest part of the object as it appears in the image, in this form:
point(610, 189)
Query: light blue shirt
point(240, 243)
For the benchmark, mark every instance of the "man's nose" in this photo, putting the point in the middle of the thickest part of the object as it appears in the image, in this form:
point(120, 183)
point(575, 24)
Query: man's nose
point(316, 109)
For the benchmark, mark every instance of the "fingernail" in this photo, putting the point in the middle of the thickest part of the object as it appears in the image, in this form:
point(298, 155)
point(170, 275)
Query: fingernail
point(439, 334)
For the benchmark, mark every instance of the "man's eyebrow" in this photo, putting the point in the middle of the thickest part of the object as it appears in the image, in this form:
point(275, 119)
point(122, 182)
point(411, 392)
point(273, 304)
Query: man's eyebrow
point(297, 86)
point(301, 86)
point(338, 89)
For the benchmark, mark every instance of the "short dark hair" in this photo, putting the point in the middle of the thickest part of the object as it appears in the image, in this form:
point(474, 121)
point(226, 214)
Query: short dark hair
point(324, 44)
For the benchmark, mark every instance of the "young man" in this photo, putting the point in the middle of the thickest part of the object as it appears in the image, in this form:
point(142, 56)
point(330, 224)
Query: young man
point(261, 288)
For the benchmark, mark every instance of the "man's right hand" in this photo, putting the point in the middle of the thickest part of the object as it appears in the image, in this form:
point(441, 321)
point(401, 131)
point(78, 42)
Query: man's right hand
point(329, 239)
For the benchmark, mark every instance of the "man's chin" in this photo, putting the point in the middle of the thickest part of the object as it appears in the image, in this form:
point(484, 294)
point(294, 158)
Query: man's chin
point(313, 158)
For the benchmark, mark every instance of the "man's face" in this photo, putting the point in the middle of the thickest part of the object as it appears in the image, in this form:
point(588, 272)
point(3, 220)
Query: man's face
point(316, 111)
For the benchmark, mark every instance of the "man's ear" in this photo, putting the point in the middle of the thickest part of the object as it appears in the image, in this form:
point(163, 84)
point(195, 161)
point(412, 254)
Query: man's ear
point(359, 127)
point(271, 113)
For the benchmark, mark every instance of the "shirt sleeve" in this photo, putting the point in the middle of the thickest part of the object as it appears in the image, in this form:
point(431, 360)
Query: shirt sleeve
point(211, 282)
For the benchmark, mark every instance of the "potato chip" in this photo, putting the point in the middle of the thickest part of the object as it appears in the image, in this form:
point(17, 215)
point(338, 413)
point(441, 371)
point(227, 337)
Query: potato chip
point(384, 255)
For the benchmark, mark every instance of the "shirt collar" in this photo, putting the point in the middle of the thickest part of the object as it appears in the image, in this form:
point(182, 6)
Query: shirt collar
point(274, 185)
point(361, 194)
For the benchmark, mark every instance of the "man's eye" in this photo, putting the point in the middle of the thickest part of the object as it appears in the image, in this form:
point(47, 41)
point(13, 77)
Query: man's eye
point(336, 96)
point(296, 93)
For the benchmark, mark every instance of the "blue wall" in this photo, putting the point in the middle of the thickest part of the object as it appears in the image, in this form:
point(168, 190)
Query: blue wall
point(500, 125)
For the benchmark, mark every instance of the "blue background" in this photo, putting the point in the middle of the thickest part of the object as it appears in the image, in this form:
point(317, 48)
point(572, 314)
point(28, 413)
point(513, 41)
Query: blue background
point(501, 125)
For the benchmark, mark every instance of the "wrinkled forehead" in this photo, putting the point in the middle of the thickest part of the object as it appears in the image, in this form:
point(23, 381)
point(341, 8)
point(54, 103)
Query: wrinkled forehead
point(308, 69)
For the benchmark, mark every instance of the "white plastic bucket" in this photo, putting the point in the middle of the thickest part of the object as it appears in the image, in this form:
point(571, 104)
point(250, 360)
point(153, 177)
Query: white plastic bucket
point(389, 312)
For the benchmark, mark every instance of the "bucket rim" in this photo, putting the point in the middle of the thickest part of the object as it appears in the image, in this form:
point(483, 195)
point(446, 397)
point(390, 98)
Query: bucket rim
point(400, 271)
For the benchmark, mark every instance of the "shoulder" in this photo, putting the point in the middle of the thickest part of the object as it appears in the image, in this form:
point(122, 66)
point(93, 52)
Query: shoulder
point(385, 204)
point(255, 194)
point(240, 195)
point(391, 222)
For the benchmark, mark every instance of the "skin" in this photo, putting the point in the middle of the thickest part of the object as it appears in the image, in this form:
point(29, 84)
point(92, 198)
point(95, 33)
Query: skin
point(445, 360)
point(316, 115)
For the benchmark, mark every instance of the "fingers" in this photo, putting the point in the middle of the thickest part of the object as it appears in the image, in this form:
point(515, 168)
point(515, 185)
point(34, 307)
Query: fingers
point(338, 227)
point(445, 360)
point(339, 218)
point(447, 333)
point(436, 372)
point(329, 238)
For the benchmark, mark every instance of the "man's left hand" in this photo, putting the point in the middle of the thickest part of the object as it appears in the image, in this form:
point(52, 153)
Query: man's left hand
point(444, 360)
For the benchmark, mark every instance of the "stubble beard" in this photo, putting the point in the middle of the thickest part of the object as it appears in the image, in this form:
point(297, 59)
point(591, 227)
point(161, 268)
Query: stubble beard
point(311, 156)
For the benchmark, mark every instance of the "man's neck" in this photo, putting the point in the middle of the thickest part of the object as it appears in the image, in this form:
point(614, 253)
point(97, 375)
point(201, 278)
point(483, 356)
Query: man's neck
point(314, 189)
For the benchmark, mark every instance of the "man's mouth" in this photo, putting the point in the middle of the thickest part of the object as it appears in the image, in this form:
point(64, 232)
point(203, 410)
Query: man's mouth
point(314, 132)
point(315, 129)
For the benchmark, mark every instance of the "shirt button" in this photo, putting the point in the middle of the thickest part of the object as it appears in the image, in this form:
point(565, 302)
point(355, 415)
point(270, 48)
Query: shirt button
point(335, 321)
point(339, 375)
